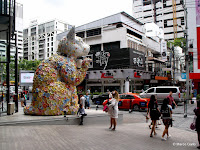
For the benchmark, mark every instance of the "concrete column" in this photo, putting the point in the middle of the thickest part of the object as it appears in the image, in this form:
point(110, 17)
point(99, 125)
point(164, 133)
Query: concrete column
point(126, 86)
point(121, 86)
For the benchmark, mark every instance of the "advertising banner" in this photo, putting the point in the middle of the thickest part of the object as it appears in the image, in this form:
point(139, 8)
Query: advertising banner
point(26, 77)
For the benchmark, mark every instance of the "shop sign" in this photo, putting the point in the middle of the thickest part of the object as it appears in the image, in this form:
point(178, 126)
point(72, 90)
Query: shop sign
point(102, 58)
point(161, 78)
point(136, 75)
point(183, 75)
point(106, 75)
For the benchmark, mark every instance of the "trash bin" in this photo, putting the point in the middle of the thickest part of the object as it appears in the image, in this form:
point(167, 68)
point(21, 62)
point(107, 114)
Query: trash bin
point(11, 108)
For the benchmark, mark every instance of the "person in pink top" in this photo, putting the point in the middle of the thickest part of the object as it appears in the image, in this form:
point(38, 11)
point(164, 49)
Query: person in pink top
point(171, 99)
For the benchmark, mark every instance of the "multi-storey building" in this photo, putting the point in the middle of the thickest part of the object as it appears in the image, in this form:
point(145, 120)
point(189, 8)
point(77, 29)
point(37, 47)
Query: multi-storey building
point(167, 14)
point(120, 50)
point(39, 40)
point(18, 32)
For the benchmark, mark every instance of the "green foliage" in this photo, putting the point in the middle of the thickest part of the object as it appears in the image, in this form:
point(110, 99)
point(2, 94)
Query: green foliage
point(181, 42)
point(28, 65)
point(22, 65)
point(198, 97)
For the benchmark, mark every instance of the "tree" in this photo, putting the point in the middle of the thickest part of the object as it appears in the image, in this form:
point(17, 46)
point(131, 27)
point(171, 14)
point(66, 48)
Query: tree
point(22, 65)
point(28, 65)
point(181, 42)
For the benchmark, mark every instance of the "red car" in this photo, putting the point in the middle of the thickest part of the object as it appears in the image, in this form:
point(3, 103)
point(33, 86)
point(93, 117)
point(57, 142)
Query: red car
point(132, 101)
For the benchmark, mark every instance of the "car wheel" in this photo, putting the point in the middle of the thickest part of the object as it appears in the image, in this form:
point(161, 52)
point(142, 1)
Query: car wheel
point(136, 107)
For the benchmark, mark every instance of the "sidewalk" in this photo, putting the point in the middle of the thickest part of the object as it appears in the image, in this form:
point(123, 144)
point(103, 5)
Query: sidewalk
point(99, 137)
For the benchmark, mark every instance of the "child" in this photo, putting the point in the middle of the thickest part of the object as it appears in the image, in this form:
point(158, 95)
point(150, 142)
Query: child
point(81, 111)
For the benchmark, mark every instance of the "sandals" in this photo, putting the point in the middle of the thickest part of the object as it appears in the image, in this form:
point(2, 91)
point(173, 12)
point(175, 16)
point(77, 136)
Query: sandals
point(151, 135)
point(113, 129)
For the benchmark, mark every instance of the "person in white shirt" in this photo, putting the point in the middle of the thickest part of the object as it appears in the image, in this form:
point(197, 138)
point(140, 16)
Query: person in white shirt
point(82, 100)
point(113, 109)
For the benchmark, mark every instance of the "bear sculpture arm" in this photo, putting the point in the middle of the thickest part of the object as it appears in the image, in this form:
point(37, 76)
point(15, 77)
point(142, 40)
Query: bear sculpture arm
point(72, 75)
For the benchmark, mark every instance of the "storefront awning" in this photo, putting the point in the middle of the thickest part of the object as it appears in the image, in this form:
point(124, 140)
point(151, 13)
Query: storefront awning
point(155, 59)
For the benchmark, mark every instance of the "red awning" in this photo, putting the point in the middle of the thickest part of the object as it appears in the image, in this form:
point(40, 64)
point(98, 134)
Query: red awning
point(194, 75)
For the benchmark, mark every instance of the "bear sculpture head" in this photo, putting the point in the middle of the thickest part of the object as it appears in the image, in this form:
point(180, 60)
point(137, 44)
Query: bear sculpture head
point(73, 46)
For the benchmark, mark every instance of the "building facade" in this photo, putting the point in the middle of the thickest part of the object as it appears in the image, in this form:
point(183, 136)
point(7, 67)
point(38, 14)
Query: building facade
point(39, 40)
point(18, 32)
point(120, 51)
point(167, 14)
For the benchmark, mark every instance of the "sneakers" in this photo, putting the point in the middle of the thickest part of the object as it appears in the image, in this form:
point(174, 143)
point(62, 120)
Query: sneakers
point(163, 139)
point(169, 136)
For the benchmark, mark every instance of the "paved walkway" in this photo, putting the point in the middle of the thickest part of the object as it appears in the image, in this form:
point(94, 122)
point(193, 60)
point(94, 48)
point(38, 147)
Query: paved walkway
point(127, 137)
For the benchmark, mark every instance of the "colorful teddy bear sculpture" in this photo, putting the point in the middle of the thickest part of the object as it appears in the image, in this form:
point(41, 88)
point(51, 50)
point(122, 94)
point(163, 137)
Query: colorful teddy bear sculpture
point(55, 80)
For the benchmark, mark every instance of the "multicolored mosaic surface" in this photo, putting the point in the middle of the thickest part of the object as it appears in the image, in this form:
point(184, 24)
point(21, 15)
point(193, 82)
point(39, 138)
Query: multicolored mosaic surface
point(55, 80)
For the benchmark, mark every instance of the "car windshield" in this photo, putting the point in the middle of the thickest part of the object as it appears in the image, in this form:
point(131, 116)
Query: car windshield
point(137, 96)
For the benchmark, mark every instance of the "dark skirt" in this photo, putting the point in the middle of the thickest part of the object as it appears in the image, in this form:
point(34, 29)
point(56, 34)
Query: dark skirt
point(154, 115)
point(167, 122)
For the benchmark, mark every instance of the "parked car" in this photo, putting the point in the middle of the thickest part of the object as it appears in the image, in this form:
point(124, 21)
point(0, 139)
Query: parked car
point(161, 92)
point(100, 98)
point(131, 101)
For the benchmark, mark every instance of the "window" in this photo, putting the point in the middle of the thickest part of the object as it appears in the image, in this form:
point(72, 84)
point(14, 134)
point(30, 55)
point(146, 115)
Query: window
point(48, 39)
point(93, 32)
point(47, 49)
point(51, 43)
point(47, 44)
point(166, 90)
point(122, 96)
point(80, 34)
point(150, 90)
point(52, 49)
point(32, 48)
point(52, 38)
point(130, 97)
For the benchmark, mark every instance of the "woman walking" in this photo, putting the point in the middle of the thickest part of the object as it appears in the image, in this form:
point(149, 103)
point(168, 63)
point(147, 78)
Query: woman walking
point(113, 109)
point(154, 113)
point(197, 123)
point(166, 111)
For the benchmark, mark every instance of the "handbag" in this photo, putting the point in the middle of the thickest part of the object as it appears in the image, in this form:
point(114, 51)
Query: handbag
point(105, 108)
point(193, 124)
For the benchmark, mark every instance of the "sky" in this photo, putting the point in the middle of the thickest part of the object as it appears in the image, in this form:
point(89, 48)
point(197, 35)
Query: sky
point(74, 12)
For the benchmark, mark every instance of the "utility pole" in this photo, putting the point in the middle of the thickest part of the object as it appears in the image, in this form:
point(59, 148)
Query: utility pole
point(186, 59)
point(173, 64)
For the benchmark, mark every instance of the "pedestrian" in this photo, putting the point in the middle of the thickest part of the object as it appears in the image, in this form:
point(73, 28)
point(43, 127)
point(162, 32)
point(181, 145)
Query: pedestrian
point(171, 99)
point(81, 111)
point(22, 99)
point(113, 109)
point(88, 91)
point(82, 100)
point(166, 111)
point(154, 113)
point(25, 98)
point(197, 123)
point(87, 102)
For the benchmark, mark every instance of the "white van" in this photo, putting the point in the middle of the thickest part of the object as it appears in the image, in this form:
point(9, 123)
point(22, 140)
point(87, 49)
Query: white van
point(161, 92)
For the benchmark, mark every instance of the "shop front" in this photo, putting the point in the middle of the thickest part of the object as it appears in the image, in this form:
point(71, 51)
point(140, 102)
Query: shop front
point(109, 80)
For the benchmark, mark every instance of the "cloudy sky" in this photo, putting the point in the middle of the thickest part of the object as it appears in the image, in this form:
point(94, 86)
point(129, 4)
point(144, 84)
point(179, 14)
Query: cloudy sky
point(75, 12)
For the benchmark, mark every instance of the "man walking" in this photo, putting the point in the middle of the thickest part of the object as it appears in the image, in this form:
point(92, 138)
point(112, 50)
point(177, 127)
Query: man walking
point(171, 99)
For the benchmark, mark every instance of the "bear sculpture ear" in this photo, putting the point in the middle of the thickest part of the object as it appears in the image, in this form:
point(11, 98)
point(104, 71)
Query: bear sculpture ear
point(71, 34)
